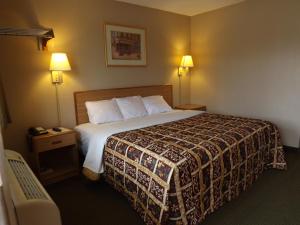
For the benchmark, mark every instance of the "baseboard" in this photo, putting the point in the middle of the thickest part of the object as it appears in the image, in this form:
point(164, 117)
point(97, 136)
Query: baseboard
point(289, 148)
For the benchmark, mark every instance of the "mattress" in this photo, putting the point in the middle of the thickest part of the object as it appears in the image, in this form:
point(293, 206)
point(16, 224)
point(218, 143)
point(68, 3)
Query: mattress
point(94, 136)
point(180, 171)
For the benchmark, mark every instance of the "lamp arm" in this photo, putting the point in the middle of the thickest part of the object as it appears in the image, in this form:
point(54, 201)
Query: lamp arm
point(180, 70)
point(57, 104)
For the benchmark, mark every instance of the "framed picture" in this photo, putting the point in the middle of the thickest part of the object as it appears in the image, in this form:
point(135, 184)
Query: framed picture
point(125, 46)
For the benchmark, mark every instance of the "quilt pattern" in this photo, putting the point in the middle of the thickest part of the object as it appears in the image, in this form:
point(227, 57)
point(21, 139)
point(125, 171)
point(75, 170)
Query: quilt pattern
point(181, 171)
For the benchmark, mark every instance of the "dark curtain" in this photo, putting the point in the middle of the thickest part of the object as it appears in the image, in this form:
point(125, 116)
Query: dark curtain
point(4, 113)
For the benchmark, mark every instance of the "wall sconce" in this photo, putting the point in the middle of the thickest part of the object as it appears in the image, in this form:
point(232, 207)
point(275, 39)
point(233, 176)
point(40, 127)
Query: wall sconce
point(59, 63)
point(186, 63)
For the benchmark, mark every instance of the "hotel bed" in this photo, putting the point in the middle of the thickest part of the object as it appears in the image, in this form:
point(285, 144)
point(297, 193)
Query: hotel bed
point(179, 166)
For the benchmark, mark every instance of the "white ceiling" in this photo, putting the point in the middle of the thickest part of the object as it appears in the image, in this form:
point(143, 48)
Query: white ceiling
point(184, 7)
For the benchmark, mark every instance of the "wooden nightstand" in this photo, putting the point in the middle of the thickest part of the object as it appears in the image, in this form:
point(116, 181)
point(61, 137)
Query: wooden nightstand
point(55, 155)
point(191, 107)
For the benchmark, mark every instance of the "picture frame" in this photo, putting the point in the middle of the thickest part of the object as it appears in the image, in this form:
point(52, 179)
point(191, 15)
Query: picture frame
point(125, 45)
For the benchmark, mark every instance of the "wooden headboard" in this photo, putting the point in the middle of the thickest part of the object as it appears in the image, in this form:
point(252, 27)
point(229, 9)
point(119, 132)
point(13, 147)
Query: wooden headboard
point(95, 95)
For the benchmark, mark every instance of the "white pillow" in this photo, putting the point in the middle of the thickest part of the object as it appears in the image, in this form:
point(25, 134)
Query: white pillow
point(132, 107)
point(104, 111)
point(156, 104)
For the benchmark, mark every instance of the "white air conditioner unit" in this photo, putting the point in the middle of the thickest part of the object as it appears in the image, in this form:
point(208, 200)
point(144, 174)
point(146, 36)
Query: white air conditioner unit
point(33, 206)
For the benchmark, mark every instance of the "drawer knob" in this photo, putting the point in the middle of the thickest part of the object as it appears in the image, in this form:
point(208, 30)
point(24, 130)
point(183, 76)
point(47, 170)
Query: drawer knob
point(56, 142)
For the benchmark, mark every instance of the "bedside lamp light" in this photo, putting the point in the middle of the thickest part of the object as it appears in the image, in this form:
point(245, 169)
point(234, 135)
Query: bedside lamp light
point(186, 63)
point(59, 63)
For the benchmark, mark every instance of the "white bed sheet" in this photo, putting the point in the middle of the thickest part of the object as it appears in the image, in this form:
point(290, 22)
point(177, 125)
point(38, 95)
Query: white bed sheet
point(94, 136)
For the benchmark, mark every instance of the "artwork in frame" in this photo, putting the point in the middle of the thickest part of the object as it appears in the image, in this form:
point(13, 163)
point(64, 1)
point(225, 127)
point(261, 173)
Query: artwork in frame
point(125, 46)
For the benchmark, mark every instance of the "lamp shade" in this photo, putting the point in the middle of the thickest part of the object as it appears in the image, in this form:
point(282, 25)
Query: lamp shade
point(59, 62)
point(187, 61)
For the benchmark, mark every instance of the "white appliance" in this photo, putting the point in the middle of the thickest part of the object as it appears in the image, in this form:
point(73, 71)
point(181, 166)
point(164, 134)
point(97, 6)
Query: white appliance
point(32, 204)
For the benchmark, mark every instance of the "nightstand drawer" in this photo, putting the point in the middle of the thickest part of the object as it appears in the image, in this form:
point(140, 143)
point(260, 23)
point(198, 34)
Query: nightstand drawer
point(50, 143)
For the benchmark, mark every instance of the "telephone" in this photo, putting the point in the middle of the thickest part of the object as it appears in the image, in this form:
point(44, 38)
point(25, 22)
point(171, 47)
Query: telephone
point(35, 131)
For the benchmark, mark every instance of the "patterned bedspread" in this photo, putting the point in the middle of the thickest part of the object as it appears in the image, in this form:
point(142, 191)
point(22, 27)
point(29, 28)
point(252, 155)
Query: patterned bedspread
point(179, 172)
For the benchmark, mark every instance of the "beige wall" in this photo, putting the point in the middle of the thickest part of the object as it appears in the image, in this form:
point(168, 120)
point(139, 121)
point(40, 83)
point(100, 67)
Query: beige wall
point(248, 62)
point(78, 27)
point(246, 58)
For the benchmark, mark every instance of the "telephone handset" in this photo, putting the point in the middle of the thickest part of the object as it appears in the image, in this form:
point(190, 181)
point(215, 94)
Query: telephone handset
point(35, 131)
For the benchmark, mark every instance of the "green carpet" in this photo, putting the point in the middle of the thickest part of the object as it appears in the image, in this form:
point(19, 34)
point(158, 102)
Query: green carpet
point(274, 199)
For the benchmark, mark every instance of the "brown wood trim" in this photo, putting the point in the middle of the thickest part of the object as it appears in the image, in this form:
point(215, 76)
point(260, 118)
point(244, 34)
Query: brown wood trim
point(289, 148)
point(95, 95)
point(92, 176)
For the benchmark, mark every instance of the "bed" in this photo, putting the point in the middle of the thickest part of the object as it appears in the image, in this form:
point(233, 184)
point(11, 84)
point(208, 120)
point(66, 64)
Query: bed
point(180, 166)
